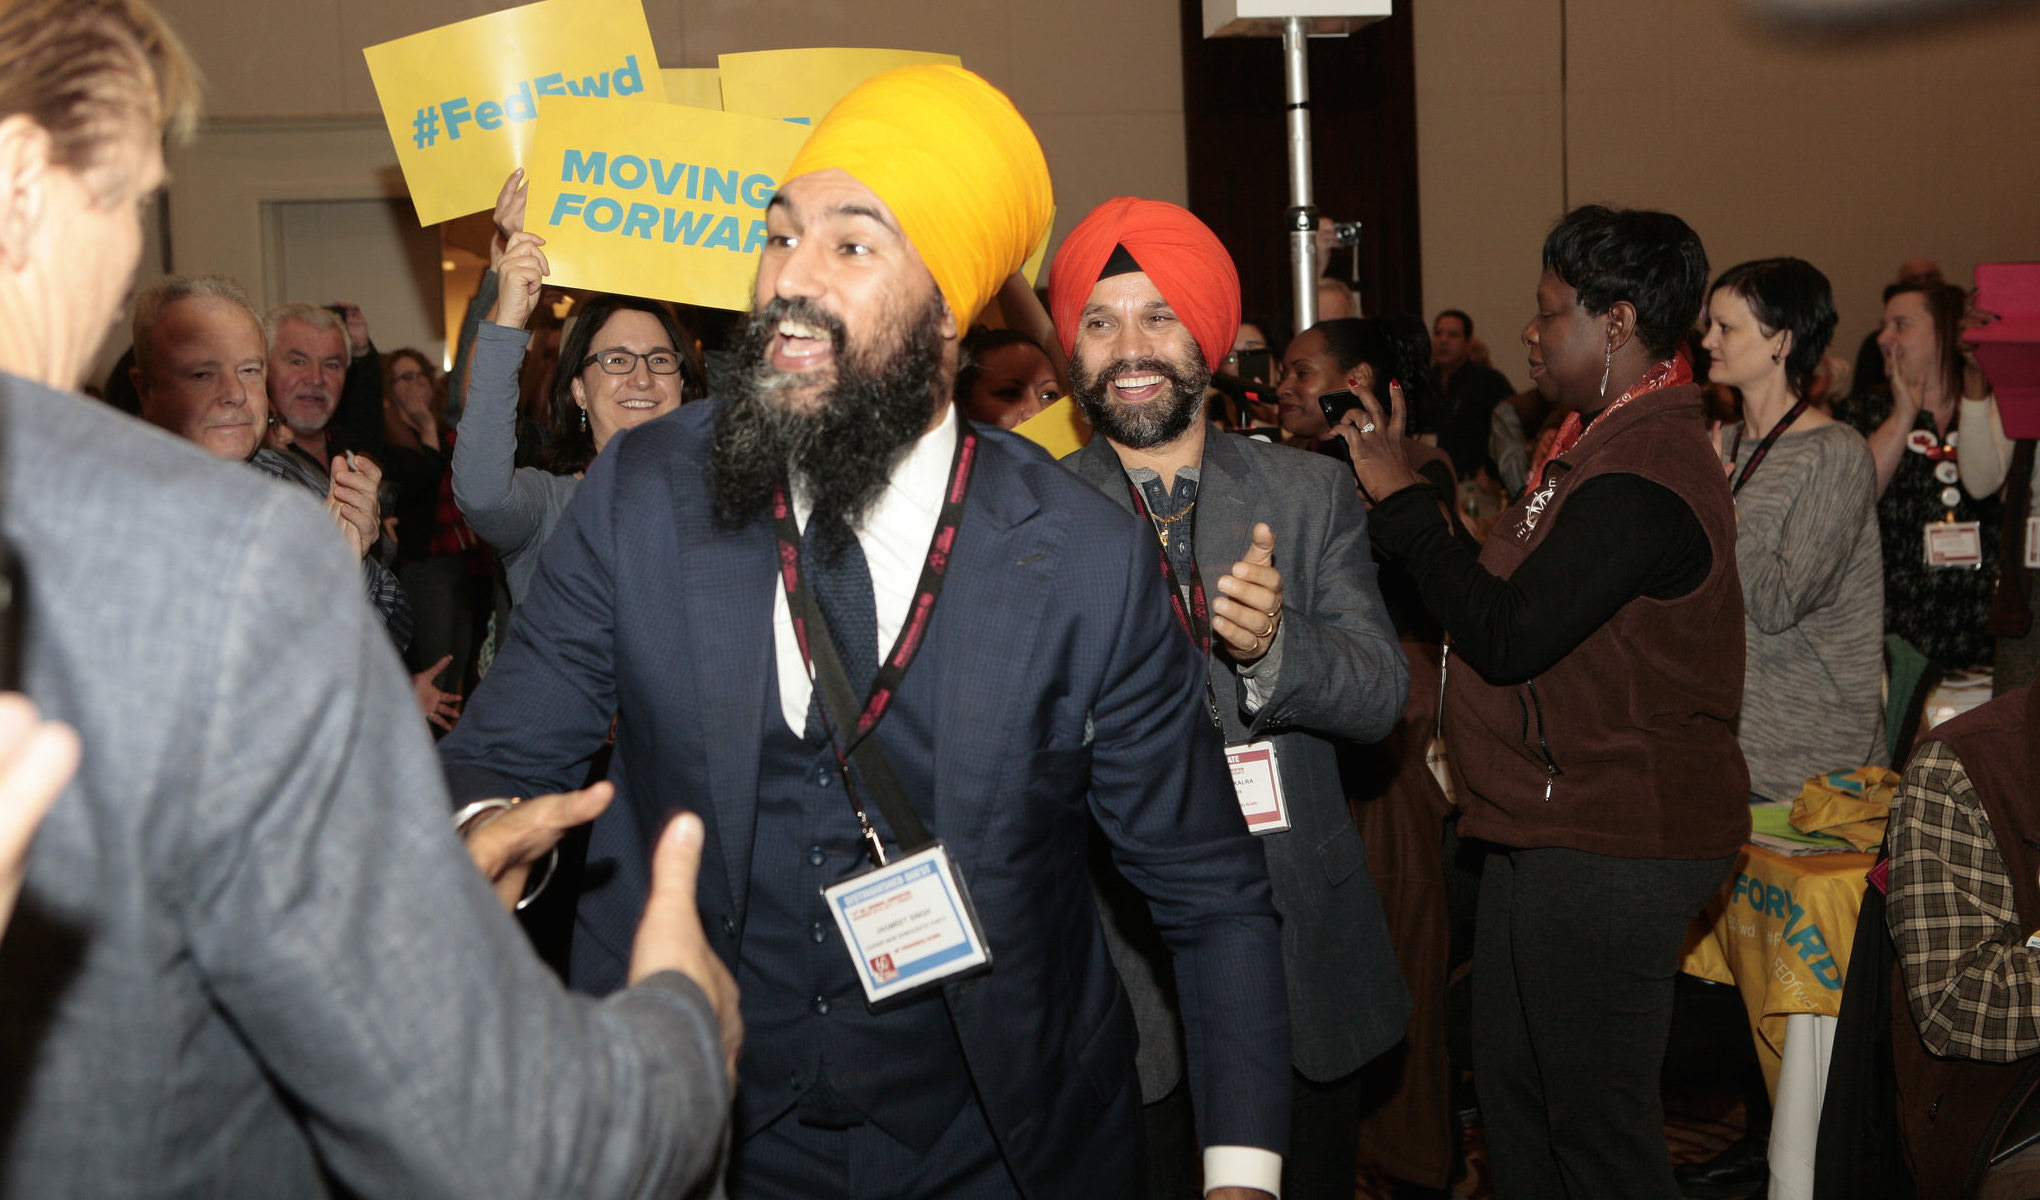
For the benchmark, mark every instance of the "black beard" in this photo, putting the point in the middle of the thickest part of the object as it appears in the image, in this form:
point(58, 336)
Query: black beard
point(1149, 425)
point(841, 454)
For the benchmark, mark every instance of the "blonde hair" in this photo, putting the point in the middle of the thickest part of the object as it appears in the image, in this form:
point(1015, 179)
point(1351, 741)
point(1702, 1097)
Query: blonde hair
point(149, 306)
point(87, 71)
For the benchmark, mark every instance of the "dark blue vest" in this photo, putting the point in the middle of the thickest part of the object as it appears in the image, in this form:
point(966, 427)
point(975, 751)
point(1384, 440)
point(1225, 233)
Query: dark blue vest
point(805, 1018)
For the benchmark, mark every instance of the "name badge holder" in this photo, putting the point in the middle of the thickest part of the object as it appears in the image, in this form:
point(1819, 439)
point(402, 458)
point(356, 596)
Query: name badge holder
point(907, 922)
point(1954, 544)
point(2033, 541)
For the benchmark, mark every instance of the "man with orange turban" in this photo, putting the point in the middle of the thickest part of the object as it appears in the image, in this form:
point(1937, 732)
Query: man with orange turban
point(1301, 656)
point(846, 626)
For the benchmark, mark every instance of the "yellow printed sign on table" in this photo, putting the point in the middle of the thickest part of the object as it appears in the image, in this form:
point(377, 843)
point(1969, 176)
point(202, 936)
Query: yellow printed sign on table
point(1781, 933)
point(696, 87)
point(803, 85)
point(462, 101)
point(656, 199)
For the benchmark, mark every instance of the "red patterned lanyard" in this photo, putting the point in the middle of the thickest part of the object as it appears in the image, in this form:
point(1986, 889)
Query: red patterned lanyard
point(1196, 619)
point(934, 569)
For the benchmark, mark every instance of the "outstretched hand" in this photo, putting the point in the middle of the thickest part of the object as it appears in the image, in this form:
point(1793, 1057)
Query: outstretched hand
point(504, 844)
point(670, 937)
point(37, 760)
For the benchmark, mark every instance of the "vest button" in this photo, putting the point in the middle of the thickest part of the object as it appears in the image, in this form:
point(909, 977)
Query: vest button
point(819, 932)
point(816, 856)
point(821, 1006)
point(729, 926)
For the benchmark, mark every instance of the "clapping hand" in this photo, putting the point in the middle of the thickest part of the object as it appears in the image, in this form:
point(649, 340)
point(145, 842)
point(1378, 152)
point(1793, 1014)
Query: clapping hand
point(351, 498)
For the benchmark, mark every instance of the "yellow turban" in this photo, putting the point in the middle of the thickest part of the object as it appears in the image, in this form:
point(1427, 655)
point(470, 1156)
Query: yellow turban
point(956, 163)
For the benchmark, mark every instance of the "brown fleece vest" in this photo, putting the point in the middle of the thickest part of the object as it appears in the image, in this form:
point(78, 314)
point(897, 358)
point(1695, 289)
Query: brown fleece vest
point(1627, 745)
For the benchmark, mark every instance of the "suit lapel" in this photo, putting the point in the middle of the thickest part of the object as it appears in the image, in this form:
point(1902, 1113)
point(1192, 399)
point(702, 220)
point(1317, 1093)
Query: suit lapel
point(1225, 528)
point(991, 605)
point(729, 581)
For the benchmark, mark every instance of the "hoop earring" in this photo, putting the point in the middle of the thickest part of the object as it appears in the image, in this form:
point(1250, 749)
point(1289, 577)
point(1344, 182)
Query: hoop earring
point(584, 420)
point(1607, 365)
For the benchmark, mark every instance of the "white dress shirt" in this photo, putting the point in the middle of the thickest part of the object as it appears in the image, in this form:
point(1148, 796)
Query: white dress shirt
point(895, 536)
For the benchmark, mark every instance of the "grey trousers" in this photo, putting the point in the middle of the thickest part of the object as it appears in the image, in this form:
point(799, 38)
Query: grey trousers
point(1574, 956)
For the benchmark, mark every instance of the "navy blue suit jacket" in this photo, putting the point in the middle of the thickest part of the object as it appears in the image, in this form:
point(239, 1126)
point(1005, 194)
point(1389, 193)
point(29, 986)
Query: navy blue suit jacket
point(1063, 693)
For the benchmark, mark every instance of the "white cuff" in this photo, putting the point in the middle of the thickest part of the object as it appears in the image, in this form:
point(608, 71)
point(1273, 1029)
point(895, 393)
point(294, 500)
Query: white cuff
point(1242, 1166)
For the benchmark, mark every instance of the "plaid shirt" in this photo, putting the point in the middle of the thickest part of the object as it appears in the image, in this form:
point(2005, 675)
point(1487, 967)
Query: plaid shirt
point(385, 594)
point(1973, 984)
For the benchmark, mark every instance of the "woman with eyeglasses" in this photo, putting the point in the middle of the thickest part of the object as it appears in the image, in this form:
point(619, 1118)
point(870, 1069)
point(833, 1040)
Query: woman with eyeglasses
point(624, 362)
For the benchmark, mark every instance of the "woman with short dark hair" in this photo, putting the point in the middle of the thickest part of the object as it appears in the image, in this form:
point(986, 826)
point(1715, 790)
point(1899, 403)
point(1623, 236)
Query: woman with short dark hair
point(1806, 534)
point(1590, 724)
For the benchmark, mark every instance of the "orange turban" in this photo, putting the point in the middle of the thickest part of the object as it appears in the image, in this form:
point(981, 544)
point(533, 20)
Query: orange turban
point(1186, 261)
point(956, 163)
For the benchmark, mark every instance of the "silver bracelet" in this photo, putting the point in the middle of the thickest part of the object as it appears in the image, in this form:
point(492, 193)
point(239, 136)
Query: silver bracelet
point(468, 813)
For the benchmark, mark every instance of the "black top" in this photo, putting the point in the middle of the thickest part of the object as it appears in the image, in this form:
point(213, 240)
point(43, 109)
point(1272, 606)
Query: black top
point(1619, 536)
point(1462, 415)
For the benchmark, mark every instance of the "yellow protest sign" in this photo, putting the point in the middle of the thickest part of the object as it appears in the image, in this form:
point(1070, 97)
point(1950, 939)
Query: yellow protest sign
point(1059, 429)
point(698, 87)
point(654, 199)
point(802, 85)
point(461, 101)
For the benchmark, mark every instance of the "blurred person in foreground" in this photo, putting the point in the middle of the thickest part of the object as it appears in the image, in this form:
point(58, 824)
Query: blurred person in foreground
point(1044, 689)
point(1964, 901)
point(1298, 652)
point(250, 956)
point(1590, 721)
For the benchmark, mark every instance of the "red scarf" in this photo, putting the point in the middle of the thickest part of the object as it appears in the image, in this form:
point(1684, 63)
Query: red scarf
point(1670, 373)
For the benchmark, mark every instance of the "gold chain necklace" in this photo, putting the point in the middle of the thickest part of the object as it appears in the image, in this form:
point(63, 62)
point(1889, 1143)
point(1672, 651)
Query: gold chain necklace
point(1162, 523)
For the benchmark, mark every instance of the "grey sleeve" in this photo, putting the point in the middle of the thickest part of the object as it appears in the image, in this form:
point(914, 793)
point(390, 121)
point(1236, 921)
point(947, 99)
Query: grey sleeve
point(483, 300)
point(340, 925)
point(1793, 552)
point(507, 507)
point(1343, 672)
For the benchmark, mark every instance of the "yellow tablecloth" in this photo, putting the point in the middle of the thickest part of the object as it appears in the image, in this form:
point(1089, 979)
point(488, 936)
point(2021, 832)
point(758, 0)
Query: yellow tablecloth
point(1781, 932)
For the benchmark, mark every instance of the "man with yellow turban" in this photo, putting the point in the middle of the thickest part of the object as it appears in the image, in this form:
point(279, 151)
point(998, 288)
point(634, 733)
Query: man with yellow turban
point(1301, 655)
point(904, 668)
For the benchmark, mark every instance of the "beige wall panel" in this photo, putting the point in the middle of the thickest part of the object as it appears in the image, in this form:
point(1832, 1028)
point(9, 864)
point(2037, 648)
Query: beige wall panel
point(1094, 157)
point(1852, 153)
point(1487, 160)
point(265, 57)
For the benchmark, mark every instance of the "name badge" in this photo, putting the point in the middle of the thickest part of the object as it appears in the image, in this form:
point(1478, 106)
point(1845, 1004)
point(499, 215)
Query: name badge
point(908, 925)
point(1258, 784)
point(2033, 541)
point(1954, 544)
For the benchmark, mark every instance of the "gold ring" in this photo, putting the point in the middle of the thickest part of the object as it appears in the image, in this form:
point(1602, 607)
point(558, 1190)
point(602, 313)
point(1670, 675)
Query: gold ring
point(1266, 634)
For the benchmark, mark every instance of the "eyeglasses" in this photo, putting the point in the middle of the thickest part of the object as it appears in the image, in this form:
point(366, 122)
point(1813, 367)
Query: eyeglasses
point(623, 362)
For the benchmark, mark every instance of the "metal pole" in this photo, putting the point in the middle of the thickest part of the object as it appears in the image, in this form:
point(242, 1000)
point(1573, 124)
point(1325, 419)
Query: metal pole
point(1302, 215)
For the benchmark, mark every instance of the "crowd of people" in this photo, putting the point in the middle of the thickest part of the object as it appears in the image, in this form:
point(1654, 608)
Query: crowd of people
point(681, 638)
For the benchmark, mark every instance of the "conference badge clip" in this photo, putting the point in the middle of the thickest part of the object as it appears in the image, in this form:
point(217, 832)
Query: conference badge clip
point(1258, 784)
point(909, 925)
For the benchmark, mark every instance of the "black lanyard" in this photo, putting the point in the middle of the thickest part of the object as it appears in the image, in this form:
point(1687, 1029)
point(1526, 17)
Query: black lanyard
point(1196, 619)
point(825, 669)
point(1763, 447)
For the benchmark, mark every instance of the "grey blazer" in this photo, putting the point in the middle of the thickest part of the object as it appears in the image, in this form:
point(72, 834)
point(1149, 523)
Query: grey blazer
point(251, 957)
point(1342, 675)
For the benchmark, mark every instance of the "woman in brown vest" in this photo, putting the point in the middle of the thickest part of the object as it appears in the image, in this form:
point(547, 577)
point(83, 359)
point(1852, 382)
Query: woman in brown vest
point(1590, 722)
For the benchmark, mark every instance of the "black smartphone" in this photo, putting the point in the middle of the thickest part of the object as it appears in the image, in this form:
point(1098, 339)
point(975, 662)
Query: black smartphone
point(1337, 404)
point(1257, 365)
